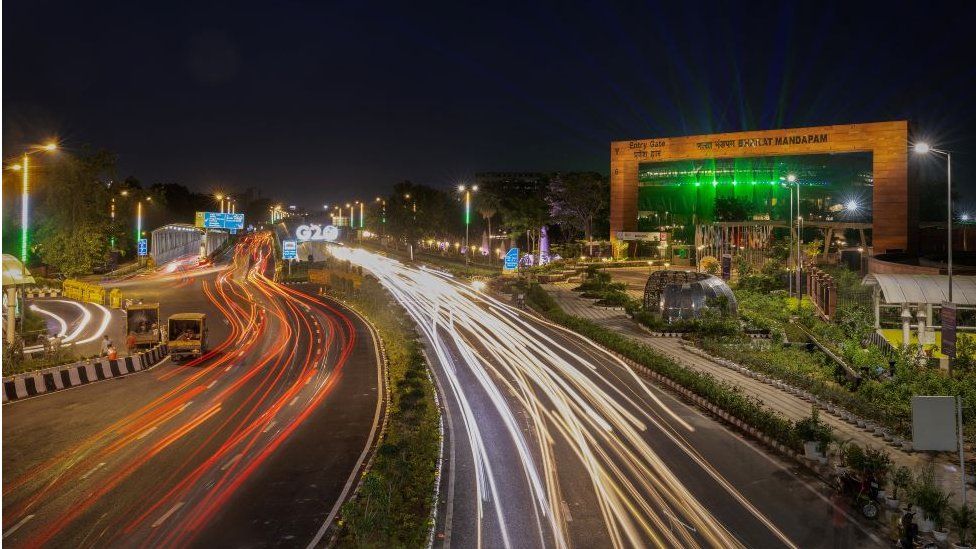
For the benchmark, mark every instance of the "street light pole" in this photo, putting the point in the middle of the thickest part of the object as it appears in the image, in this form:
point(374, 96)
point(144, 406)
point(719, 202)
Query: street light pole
point(24, 210)
point(138, 222)
point(924, 148)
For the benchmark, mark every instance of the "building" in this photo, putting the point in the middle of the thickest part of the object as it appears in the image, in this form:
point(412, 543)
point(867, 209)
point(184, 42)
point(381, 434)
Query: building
point(726, 192)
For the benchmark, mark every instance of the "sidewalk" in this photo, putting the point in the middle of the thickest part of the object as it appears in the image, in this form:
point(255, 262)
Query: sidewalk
point(780, 400)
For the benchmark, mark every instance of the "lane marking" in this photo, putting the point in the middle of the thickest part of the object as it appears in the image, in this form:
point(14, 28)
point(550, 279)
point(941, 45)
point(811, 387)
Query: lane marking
point(212, 383)
point(146, 433)
point(163, 518)
point(93, 469)
point(22, 522)
point(231, 461)
point(271, 424)
point(185, 405)
point(293, 401)
point(569, 516)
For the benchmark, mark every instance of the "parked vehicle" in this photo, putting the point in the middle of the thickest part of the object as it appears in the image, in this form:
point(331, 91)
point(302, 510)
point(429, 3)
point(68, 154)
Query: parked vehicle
point(187, 335)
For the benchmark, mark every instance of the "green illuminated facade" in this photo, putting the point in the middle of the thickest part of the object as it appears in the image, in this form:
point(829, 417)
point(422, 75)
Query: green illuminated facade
point(833, 187)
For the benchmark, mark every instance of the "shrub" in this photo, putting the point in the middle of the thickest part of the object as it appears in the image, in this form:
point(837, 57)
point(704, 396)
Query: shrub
point(709, 265)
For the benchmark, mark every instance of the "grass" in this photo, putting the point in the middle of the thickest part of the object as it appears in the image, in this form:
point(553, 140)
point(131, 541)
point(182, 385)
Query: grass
point(392, 507)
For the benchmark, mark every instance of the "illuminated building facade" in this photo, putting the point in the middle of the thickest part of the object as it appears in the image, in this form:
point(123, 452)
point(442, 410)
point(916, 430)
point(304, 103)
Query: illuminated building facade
point(852, 175)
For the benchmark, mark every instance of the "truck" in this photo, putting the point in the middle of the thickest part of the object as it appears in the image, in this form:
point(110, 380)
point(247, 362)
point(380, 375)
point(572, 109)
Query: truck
point(187, 335)
point(142, 321)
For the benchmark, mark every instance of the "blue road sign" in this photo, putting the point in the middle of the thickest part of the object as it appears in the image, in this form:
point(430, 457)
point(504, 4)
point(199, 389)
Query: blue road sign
point(289, 249)
point(223, 220)
point(143, 247)
point(511, 259)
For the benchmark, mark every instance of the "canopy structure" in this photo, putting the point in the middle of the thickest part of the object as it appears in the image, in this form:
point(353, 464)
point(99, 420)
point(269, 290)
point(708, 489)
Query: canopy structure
point(923, 288)
point(14, 272)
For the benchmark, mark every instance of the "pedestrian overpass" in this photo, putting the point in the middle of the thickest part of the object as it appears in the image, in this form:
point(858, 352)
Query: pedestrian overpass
point(177, 240)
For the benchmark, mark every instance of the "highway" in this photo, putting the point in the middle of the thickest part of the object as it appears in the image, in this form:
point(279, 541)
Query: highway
point(79, 325)
point(254, 444)
point(553, 442)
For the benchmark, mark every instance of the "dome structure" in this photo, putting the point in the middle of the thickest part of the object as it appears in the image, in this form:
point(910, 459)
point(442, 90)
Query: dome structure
point(684, 295)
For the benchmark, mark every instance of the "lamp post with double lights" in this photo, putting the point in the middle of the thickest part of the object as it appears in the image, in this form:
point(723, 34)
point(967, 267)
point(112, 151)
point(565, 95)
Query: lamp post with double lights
point(24, 168)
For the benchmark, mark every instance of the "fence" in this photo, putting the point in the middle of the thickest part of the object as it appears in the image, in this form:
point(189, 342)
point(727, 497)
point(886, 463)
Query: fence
point(92, 293)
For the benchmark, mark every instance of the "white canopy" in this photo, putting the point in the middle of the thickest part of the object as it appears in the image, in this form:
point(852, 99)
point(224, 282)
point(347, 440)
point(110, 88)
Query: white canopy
point(923, 288)
point(14, 272)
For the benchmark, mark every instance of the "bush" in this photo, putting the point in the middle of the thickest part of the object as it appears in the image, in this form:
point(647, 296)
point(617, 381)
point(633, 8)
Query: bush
point(709, 264)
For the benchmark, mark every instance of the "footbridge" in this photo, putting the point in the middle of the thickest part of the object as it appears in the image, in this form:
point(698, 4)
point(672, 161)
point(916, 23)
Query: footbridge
point(176, 240)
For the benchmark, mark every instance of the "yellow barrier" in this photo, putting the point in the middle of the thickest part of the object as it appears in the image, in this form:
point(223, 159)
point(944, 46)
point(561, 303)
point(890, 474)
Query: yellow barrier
point(92, 293)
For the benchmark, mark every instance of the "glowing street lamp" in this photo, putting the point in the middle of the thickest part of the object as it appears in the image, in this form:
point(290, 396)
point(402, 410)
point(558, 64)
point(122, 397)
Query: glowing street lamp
point(24, 168)
point(467, 216)
point(924, 148)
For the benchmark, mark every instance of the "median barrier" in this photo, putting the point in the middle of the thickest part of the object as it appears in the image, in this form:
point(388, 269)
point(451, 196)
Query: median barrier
point(66, 376)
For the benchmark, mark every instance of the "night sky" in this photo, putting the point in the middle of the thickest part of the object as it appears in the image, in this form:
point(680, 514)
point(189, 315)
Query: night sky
point(314, 102)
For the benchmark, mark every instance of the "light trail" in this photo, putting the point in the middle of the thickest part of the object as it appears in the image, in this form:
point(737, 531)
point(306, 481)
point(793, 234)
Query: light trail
point(571, 397)
point(297, 347)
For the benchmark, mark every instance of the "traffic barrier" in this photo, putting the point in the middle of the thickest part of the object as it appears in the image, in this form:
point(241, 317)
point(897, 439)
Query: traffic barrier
point(29, 384)
point(84, 291)
point(34, 293)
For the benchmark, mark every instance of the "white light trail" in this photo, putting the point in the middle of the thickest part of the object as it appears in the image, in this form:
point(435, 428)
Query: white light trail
point(489, 351)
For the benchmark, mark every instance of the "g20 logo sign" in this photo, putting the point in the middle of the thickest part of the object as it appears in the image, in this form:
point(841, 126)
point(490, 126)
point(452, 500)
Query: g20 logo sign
point(315, 232)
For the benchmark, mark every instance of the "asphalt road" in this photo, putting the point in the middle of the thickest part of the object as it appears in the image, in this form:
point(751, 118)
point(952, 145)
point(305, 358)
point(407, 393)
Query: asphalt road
point(253, 445)
point(80, 325)
point(554, 442)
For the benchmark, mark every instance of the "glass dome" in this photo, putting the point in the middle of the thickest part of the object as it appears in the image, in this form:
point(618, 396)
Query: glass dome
point(684, 301)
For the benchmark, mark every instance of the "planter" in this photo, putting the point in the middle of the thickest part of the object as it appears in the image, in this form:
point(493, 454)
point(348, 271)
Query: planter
point(811, 450)
point(960, 546)
point(940, 535)
point(891, 503)
point(860, 423)
point(925, 525)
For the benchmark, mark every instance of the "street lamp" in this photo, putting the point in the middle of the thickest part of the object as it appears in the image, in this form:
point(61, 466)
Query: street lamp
point(924, 148)
point(348, 205)
point(467, 217)
point(24, 168)
point(362, 216)
point(791, 178)
point(220, 200)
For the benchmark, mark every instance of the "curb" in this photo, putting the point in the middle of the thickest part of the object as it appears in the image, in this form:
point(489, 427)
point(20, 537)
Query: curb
point(43, 292)
point(57, 378)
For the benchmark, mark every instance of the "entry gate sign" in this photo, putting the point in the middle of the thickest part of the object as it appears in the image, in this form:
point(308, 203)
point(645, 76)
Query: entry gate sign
point(142, 247)
point(949, 329)
point(511, 260)
point(289, 249)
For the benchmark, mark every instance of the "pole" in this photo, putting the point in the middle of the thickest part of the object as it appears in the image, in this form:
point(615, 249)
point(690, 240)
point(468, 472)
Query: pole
point(112, 239)
point(948, 218)
point(467, 223)
point(362, 216)
point(11, 312)
point(138, 221)
point(799, 240)
point(24, 211)
point(789, 279)
point(962, 462)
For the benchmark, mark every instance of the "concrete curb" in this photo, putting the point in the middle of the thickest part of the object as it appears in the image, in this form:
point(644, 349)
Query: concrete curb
point(35, 293)
point(66, 376)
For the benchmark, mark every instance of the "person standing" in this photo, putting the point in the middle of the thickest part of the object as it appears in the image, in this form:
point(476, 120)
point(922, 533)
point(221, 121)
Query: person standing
point(106, 343)
point(130, 343)
point(112, 353)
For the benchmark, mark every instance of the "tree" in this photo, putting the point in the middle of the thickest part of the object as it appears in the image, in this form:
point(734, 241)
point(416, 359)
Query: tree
point(76, 252)
point(577, 199)
point(487, 207)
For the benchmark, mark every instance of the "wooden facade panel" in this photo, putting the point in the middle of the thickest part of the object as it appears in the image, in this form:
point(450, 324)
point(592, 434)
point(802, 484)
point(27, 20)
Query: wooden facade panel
point(887, 141)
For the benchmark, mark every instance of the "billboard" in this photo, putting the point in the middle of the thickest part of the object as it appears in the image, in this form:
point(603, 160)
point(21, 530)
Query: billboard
point(317, 233)
point(219, 220)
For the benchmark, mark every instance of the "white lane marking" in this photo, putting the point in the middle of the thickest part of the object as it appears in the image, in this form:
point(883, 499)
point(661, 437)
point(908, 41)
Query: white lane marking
point(93, 469)
point(212, 383)
point(22, 522)
point(569, 516)
point(163, 518)
point(270, 425)
point(146, 433)
point(232, 461)
point(185, 405)
point(293, 401)
point(227, 369)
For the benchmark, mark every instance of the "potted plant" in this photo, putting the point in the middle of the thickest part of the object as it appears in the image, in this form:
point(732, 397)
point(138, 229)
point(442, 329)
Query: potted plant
point(930, 499)
point(815, 435)
point(900, 478)
point(962, 518)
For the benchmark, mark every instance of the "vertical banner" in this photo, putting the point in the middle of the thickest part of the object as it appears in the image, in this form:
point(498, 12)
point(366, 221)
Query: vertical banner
point(726, 266)
point(949, 329)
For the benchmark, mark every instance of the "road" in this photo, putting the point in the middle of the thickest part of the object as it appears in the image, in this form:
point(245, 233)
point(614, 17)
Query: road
point(80, 325)
point(557, 443)
point(254, 444)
